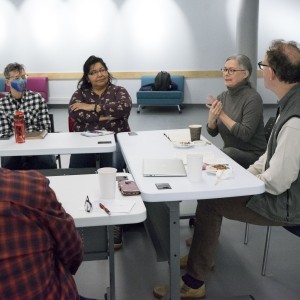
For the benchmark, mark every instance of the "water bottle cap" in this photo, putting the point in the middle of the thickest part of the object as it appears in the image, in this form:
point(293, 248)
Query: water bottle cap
point(19, 113)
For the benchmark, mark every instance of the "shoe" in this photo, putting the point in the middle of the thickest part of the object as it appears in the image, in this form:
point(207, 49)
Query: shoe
point(118, 233)
point(160, 291)
point(184, 259)
point(187, 293)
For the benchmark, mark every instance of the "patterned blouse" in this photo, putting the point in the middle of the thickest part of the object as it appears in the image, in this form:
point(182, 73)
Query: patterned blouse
point(115, 102)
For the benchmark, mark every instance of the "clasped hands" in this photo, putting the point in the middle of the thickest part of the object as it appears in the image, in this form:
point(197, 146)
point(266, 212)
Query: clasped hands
point(215, 110)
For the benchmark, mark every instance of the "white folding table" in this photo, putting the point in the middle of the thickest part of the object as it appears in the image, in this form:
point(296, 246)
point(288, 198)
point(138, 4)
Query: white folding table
point(163, 205)
point(59, 143)
point(72, 191)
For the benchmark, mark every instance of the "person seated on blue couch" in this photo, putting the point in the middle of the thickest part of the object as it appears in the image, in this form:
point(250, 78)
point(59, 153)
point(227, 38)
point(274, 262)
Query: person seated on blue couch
point(35, 113)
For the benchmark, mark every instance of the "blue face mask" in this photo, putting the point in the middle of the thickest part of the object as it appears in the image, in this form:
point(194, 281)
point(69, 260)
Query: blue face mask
point(19, 84)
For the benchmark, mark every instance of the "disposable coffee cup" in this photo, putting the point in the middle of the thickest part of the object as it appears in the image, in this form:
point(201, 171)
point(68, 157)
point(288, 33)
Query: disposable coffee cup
point(107, 183)
point(194, 167)
point(195, 131)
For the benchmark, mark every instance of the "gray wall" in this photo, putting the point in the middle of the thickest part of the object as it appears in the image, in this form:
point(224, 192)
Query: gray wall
point(135, 35)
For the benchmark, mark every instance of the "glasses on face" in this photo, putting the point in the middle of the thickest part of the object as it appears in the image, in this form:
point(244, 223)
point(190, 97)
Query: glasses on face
point(88, 207)
point(261, 65)
point(95, 72)
point(230, 71)
point(18, 77)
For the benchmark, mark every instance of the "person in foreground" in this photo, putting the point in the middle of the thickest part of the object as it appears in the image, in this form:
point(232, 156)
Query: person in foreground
point(237, 114)
point(40, 247)
point(35, 113)
point(98, 104)
point(278, 168)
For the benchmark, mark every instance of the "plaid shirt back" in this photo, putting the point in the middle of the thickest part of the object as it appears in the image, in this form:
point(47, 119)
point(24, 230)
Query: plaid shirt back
point(40, 247)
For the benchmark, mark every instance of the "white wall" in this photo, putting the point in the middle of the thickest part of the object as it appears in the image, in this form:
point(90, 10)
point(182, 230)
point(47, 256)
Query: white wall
point(135, 35)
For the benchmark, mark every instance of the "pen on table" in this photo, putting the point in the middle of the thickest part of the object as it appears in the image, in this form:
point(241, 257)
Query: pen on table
point(104, 208)
point(167, 137)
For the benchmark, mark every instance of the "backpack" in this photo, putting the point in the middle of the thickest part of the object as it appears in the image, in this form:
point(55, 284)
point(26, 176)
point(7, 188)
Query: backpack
point(162, 81)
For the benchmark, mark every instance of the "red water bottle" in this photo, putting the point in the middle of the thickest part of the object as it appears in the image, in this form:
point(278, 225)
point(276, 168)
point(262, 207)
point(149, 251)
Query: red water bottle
point(19, 123)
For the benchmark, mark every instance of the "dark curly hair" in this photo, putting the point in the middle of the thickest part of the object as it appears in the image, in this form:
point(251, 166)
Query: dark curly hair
point(284, 58)
point(84, 83)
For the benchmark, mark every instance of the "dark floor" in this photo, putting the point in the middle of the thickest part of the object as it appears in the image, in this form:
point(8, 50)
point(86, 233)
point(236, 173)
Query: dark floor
point(238, 266)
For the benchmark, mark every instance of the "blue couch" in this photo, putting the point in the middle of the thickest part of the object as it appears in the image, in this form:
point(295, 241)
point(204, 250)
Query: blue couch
point(161, 98)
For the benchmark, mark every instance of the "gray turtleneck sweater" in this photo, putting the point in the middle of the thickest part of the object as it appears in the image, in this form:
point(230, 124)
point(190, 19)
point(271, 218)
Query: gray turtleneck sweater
point(243, 104)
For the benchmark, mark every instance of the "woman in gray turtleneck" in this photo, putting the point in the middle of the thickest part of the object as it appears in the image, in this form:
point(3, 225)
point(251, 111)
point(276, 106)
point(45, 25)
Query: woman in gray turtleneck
point(237, 114)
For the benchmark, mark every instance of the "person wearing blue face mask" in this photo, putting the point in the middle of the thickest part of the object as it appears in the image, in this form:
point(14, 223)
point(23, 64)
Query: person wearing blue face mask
point(35, 113)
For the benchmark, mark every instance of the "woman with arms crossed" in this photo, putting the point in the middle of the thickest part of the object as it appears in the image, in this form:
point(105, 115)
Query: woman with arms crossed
point(99, 105)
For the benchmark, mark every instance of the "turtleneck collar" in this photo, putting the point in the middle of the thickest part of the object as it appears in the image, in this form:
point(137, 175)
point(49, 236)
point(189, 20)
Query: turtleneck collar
point(238, 87)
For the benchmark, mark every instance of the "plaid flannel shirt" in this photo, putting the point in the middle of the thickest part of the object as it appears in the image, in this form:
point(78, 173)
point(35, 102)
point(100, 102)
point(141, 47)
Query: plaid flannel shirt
point(35, 113)
point(40, 247)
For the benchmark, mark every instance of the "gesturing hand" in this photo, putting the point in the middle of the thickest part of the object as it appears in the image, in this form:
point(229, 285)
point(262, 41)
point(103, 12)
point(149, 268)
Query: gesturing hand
point(214, 111)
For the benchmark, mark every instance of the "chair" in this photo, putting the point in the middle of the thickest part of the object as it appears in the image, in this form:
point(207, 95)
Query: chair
point(71, 123)
point(161, 98)
point(2, 87)
point(57, 157)
point(293, 229)
point(268, 130)
point(2, 84)
point(40, 85)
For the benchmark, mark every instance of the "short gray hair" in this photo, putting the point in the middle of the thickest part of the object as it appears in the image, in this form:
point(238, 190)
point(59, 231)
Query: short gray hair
point(243, 61)
point(13, 67)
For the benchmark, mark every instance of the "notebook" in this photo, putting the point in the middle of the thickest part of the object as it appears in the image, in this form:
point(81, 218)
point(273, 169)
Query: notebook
point(172, 167)
point(34, 135)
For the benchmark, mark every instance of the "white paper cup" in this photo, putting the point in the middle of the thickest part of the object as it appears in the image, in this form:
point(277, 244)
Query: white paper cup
point(107, 183)
point(194, 166)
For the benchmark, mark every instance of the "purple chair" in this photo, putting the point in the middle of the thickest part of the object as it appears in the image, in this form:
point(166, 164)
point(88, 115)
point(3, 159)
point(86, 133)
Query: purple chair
point(37, 84)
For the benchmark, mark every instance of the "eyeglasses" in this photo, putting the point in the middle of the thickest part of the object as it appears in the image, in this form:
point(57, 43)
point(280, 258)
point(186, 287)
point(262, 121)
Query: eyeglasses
point(25, 76)
point(261, 65)
point(88, 207)
point(230, 71)
point(95, 72)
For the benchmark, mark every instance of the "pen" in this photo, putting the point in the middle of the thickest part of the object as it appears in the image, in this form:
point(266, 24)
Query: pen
point(104, 208)
point(167, 137)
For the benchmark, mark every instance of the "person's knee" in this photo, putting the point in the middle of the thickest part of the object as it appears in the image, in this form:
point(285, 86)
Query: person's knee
point(231, 152)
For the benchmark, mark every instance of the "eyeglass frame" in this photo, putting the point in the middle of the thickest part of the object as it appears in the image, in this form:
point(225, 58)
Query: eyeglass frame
point(102, 71)
point(230, 71)
point(88, 206)
point(24, 77)
point(261, 65)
